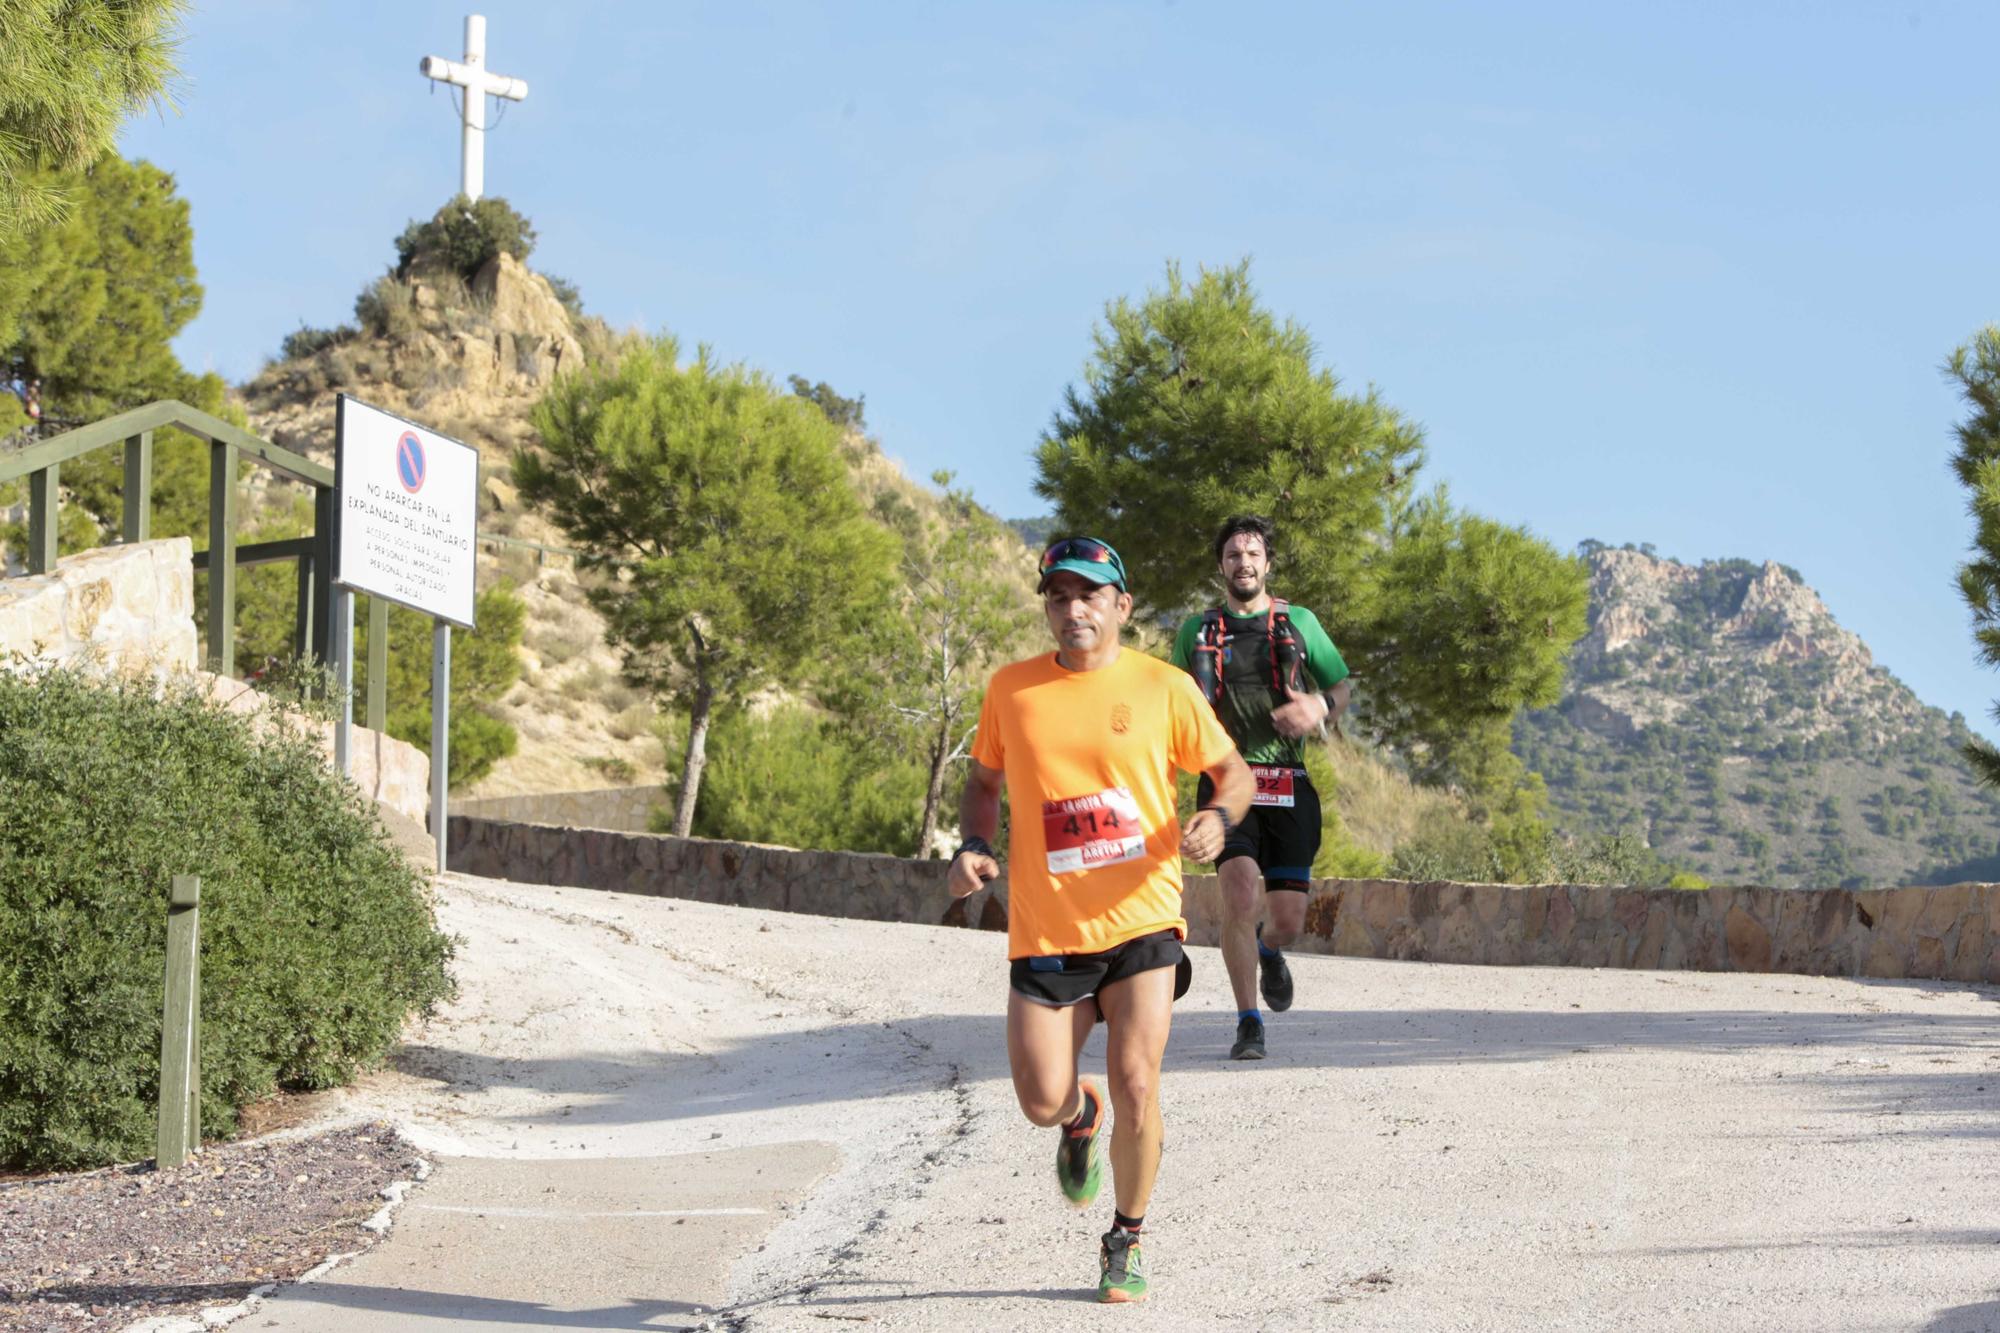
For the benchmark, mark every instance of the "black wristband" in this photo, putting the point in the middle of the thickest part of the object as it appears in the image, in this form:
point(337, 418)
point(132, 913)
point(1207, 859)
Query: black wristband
point(975, 844)
point(1228, 824)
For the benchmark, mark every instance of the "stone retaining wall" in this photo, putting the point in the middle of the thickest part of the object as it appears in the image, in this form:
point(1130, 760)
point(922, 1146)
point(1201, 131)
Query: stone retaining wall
point(129, 607)
point(626, 809)
point(1950, 932)
point(743, 874)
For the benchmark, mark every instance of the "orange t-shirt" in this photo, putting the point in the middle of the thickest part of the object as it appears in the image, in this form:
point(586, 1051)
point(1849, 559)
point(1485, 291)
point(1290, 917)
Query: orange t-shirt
point(1094, 856)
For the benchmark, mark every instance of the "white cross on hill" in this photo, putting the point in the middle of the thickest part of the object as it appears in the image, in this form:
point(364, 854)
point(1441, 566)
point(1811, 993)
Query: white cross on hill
point(472, 75)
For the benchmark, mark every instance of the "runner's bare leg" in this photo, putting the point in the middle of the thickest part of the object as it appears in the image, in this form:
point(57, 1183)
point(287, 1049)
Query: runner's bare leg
point(1285, 917)
point(1242, 903)
point(1043, 1044)
point(1137, 1013)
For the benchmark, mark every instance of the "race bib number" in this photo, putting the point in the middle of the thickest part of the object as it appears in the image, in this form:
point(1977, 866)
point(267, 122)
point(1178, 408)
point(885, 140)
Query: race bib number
point(1274, 785)
point(1085, 832)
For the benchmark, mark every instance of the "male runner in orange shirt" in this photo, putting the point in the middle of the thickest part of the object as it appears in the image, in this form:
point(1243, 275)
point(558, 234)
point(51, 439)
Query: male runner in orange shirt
point(1086, 740)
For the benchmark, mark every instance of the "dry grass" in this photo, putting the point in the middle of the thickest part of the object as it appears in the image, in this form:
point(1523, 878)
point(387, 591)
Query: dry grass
point(558, 637)
point(588, 683)
point(631, 722)
point(1378, 804)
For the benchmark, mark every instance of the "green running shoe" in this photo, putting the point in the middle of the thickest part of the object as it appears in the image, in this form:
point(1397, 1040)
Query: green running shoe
point(1079, 1164)
point(1122, 1277)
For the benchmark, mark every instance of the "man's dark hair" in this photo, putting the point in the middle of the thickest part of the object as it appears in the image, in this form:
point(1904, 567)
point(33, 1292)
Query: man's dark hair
point(1253, 523)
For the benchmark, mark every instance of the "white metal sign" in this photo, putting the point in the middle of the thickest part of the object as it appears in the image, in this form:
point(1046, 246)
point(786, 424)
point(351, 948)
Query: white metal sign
point(409, 512)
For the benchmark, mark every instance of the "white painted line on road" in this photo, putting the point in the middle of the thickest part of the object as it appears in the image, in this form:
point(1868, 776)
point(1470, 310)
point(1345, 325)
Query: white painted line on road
point(563, 1212)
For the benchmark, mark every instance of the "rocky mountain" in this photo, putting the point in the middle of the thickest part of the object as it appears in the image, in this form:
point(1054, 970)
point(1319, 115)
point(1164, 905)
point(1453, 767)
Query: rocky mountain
point(1722, 712)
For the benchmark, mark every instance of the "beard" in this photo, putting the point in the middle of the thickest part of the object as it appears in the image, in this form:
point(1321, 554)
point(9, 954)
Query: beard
point(1246, 587)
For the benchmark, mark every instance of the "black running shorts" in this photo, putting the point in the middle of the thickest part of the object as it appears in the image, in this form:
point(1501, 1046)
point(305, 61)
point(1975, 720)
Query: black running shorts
point(1282, 839)
point(1061, 980)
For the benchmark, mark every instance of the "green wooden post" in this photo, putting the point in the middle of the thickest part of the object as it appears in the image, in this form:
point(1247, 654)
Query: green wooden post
point(322, 575)
point(138, 496)
point(222, 559)
point(302, 623)
point(378, 664)
point(42, 519)
point(180, 1028)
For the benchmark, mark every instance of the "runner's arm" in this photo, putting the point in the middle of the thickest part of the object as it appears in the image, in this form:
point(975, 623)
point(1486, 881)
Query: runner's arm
point(978, 818)
point(1303, 713)
point(1323, 660)
point(1202, 835)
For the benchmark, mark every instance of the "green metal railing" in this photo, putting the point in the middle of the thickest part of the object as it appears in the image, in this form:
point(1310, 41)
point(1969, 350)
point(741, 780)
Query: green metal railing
point(41, 463)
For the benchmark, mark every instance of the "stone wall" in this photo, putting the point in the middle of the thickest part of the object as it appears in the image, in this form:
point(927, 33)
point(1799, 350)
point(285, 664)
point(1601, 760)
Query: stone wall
point(626, 809)
point(861, 885)
point(1950, 932)
point(389, 772)
point(130, 609)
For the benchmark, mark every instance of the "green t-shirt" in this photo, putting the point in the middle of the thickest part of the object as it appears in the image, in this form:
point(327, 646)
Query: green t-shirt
point(1247, 693)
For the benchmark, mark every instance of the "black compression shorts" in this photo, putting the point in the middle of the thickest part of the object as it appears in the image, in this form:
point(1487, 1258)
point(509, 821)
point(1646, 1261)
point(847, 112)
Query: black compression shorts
point(1282, 839)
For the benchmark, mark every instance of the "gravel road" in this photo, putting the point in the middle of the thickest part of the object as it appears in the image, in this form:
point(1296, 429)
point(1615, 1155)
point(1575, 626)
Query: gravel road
point(656, 1114)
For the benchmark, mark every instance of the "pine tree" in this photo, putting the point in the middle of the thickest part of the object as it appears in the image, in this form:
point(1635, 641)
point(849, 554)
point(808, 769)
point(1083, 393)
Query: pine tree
point(913, 680)
point(1976, 369)
point(1198, 404)
point(70, 72)
point(115, 282)
point(737, 551)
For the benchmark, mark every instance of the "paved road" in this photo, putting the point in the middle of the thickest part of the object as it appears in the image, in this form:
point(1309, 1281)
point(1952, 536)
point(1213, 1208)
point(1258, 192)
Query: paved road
point(653, 1115)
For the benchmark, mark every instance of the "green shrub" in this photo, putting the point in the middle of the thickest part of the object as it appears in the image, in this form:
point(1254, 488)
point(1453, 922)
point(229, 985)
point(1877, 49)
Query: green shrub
point(485, 663)
point(317, 939)
point(463, 235)
point(799, 780)
point(1447, 847)
point(305, 341)
point(566, 292)
point(387, 308)
point(616, 771)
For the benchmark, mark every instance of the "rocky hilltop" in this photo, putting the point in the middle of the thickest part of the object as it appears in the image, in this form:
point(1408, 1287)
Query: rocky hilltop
point(1723, 712)
point(470, 359)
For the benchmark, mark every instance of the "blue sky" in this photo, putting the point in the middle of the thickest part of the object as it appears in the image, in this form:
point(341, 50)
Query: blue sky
point(1680, 274)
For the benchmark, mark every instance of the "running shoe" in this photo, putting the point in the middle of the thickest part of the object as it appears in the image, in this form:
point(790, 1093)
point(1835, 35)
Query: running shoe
point(1274, 976)
point(1079, 1164)
point(1249, 1039)
point(1122, 1275)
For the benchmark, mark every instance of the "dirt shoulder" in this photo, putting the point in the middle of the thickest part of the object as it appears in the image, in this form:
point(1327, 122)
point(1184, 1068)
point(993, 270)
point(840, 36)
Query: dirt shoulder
point(101, 1249)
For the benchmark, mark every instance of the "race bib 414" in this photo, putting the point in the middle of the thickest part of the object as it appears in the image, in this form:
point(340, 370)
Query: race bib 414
point(1083, 832)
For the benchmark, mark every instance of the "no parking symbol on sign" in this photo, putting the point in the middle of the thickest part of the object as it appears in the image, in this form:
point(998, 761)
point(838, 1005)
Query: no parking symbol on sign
point(409, 512)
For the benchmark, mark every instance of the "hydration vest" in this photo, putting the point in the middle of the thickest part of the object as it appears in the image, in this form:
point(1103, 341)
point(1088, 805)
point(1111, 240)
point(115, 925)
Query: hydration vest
point(1287, 655)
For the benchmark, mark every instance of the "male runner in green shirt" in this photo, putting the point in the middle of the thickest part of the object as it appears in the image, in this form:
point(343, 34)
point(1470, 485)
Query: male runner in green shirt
point(1273, 677)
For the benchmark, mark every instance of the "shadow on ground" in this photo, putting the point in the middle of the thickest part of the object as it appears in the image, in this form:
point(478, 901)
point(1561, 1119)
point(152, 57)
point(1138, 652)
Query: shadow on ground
point(846, 1061)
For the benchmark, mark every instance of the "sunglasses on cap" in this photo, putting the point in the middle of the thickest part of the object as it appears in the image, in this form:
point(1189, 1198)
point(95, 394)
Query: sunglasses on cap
point(1079, 554)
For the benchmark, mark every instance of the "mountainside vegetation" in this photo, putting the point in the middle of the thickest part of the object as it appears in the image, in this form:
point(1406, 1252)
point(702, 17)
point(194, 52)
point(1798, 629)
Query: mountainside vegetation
point(1722, 716)
point(1714, 723)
